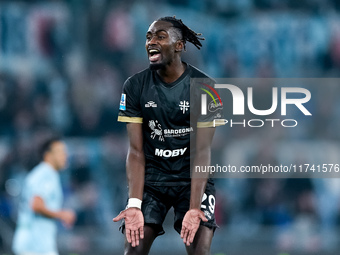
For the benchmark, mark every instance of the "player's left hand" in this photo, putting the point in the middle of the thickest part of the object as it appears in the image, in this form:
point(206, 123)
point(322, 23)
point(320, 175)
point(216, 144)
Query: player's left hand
point(190, 225)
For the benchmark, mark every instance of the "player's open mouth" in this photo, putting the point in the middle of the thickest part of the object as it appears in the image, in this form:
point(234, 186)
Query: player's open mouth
point(154, 55)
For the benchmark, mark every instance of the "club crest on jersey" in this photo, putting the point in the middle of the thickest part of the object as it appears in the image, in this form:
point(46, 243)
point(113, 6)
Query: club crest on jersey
point(150, 104)
point(184, 106)
point(156, 130)
point(122, 105)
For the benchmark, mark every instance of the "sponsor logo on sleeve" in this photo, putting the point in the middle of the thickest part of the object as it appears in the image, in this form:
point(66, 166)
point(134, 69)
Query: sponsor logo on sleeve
point(122, 105)
point(213, 106)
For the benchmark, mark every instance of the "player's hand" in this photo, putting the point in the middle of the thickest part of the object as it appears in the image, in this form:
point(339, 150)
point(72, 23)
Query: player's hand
point(190, 225)
point(67, 218)
point(134, 224)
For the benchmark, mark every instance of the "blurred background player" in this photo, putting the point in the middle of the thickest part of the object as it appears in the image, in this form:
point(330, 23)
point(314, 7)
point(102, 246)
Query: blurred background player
point(158, 163)
point(41, 203)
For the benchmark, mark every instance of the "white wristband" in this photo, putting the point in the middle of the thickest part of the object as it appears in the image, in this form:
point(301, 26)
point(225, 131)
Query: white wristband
point(134, 202)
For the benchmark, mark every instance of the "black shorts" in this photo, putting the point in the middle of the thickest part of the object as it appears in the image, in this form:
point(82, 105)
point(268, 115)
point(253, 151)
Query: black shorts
point(157, 200)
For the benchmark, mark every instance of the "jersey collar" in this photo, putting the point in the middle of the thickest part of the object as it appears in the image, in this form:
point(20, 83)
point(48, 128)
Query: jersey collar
point(169, 85)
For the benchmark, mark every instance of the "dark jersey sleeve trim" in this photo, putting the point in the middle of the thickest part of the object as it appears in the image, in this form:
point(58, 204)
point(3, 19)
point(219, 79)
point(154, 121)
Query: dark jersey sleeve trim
point(130, 119)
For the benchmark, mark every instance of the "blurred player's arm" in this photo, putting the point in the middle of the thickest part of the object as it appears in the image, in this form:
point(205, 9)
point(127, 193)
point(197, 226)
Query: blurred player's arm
point(67, 217)
point(193, 217)
point(135, 171)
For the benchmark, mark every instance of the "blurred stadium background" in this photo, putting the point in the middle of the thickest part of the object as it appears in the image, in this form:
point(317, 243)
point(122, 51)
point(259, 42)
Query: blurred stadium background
point(62, 66)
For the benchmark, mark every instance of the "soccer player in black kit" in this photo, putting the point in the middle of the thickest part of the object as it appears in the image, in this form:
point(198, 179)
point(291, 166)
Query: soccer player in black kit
point(156, 106)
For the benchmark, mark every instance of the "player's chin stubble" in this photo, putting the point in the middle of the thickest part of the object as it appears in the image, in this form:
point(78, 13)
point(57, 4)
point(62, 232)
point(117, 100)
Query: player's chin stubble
point(155, 67)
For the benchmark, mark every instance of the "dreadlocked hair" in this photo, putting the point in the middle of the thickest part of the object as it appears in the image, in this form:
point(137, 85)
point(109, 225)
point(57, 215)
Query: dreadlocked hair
point(187, 33)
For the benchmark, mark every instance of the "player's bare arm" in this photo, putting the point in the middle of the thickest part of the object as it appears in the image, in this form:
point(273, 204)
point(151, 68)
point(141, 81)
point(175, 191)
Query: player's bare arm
point(135, 170)
point(67, 217)
point(193, 217)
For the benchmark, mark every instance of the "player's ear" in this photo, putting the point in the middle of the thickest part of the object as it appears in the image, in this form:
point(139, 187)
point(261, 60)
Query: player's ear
point(180, 46)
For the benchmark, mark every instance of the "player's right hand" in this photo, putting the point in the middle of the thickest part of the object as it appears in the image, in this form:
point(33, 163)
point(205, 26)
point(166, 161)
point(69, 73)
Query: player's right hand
point(67, 217)
point(134, 224)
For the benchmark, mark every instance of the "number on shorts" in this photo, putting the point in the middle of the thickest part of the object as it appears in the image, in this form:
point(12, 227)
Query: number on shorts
point(211, 201)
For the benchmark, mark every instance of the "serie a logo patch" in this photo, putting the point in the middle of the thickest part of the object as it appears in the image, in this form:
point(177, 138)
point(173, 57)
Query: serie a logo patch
point(122, 105)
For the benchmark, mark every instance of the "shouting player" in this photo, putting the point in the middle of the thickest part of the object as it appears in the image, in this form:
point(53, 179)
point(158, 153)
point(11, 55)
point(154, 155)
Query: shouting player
point(156, 106)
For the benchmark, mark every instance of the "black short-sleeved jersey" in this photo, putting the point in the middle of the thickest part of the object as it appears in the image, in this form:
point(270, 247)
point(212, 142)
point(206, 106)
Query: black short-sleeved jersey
point(164, 111)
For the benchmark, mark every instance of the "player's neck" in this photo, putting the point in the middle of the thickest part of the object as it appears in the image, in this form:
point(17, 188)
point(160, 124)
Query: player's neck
point(172, 72)
point(50, 163)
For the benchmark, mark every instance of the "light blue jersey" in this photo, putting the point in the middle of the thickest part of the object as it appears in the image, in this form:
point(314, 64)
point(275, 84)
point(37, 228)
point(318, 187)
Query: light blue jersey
point(36, 233)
